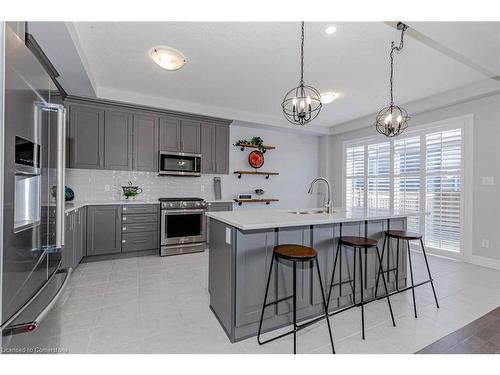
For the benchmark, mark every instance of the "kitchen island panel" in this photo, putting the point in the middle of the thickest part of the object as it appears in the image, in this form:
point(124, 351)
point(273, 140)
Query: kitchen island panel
point(238, 272)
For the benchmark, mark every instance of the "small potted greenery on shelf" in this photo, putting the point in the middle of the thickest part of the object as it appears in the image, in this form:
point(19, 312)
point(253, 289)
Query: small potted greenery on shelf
point(255, 141)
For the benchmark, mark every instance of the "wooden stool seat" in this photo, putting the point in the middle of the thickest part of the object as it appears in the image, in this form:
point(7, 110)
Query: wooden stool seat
point(357, 241)
point(403, 235)
point(295, 252)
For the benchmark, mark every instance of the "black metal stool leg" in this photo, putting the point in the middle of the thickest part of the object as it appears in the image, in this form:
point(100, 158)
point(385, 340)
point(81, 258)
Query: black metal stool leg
point(265, 300)
point(429, 272)
point(354, 277)
point(385, 287)
point(325, 305)
point(380, 269)
point(397, 266)
point(294, 307)
point(361, 290)
point(412, 282)
point(333, 275)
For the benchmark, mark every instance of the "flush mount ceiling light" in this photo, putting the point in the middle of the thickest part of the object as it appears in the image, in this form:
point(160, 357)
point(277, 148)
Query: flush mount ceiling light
point(328, 97)
point(393, 120)
point(167, 58)
point(301, 104)
point(330, 29)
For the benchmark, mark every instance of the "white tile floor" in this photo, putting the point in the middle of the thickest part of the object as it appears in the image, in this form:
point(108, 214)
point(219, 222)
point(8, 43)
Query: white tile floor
point(160, 305)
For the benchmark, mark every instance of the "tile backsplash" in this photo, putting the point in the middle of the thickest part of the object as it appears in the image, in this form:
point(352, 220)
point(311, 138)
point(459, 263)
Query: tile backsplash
point(97, 185)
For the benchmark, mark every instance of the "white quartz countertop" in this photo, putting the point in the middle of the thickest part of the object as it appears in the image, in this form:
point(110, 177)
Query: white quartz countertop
point(71, 206)
point(265, 219)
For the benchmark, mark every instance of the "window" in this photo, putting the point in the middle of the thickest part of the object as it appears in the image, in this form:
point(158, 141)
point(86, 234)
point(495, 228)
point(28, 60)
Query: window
point(421, 170)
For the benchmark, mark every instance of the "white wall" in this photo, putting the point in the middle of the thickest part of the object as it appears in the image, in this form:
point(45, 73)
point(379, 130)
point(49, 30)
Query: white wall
point(296, 158)
point(486, 163)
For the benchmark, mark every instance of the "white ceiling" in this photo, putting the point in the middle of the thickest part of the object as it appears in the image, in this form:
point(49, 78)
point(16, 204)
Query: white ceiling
point(241, 70)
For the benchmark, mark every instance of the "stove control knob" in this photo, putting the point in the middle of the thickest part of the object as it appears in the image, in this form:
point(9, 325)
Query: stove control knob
point(183, 204)
point(197, 204)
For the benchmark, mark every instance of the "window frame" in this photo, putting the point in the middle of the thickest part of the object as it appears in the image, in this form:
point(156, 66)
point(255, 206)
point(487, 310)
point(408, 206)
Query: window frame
point(466, 124)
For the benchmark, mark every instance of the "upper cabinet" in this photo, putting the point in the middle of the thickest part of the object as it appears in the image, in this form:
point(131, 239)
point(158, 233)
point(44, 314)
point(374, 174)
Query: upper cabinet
point(117, 140)
point(145, 143)
point(170, 134)
point(190, 137)
point(214, 148)
point(114, 136)
point(85, 138)
point(221, 149)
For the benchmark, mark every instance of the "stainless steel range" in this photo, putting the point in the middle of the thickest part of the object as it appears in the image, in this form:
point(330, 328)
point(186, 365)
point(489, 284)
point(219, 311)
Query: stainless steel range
point(182, 225)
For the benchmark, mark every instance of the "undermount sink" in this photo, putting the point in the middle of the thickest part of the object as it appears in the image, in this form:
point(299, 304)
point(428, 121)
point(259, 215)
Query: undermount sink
point(308, 212)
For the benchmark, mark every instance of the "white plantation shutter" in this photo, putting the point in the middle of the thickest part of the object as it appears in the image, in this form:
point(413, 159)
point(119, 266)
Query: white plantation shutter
point(407, 178)
point(423, 171)
point(379, 167)
point(355, 169)
point(444, 189)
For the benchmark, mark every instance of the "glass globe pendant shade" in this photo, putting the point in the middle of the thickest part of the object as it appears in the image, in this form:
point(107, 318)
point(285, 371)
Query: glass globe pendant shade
point(301, 104)
point(392, 121)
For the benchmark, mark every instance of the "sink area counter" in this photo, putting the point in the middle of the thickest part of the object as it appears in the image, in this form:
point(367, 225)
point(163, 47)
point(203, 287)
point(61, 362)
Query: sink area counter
point(241, 248)
point(266, 219)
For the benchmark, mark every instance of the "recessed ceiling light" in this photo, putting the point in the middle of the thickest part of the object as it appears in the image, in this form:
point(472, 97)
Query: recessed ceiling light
point(330, 30)
point(328, 97)
point(168, 58)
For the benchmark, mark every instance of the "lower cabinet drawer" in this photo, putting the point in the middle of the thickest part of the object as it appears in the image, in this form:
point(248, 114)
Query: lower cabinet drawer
point(136, 228)
point(140, 218)
point(140, 241)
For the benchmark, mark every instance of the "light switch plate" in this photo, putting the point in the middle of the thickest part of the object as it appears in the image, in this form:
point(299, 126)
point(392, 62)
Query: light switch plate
point(228, 236)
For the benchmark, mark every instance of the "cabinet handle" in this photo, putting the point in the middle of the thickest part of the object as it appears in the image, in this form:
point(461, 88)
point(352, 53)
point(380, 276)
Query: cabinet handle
point(124, 241)
point(124, 228)
point(140, 241)
point(124, 208)
point(124, 219)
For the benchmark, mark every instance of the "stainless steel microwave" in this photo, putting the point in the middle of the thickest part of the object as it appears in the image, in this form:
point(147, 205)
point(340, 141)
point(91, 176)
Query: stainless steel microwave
point(179, 164)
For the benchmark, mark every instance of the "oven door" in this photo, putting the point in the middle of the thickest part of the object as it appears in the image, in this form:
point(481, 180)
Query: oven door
point(179, 164)
point(182, 226)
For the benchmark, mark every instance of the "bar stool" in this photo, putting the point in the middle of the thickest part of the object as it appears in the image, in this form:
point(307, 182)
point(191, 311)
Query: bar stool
point(402, 235)
point(295, 254)
point(359, 243)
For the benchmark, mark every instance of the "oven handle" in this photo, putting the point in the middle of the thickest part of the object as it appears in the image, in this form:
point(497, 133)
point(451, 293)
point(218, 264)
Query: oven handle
point(184, 211)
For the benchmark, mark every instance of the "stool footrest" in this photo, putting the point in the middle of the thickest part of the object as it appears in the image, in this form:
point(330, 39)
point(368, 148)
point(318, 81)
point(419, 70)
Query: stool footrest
point(278, 301)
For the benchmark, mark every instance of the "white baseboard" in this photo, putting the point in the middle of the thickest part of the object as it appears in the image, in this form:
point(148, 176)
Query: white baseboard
point(485, 262)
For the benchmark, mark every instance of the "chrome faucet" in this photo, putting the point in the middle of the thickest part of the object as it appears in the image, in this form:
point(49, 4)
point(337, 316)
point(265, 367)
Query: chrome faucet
point(329, 204)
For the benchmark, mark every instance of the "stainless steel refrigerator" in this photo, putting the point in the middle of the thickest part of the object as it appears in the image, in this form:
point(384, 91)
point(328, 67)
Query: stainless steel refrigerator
point(32, 160)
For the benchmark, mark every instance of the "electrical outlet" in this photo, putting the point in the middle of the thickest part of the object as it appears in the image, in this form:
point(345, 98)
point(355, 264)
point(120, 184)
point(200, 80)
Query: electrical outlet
point(202, 188)
point(107, 187)
point(485, 243)
point(488, 180)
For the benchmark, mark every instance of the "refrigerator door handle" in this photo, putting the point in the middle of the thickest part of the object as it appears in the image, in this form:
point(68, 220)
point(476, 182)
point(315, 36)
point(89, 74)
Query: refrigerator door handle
point(61, 156)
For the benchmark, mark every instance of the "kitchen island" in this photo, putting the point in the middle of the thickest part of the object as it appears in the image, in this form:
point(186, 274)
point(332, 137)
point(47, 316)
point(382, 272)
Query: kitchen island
point(241, 246)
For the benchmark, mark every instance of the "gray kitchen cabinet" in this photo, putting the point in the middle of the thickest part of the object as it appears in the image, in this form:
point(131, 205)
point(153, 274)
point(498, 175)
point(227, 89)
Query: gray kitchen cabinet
point(85, 138)
point(117, 140)
point(67, 253)
point(103, 229)
point(207, 148)
point(221, 149)
point(170, 134)
point(214, 148)
point(190, 136)
point(139, 228)
point(79, 236)
point(145, 143)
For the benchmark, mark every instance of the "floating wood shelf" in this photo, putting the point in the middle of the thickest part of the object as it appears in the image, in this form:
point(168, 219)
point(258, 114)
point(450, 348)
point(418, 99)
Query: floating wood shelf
point(267, 174)
point(249, 145)
point(257, 200)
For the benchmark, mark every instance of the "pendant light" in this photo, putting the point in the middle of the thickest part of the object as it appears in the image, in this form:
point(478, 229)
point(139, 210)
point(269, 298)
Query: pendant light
point(301, 104)
point(393, 120)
